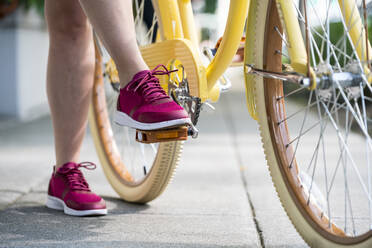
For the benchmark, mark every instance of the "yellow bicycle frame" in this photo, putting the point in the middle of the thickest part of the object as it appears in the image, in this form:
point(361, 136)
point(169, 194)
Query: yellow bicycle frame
point(357, 33)
point(177, 22)
point(297, 50)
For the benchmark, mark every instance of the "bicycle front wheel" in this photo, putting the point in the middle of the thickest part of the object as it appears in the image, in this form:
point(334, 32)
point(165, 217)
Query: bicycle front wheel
point(138, 172)
point(317, 143)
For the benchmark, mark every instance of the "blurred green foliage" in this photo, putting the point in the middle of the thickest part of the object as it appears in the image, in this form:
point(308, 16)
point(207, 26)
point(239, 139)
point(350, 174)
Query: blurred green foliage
point(337, 32)
point(28, 4)
point(210, 6)
point(37, 4)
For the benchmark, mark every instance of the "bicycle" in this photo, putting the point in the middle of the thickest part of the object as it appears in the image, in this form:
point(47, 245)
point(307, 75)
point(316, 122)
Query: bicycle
point(325, 76)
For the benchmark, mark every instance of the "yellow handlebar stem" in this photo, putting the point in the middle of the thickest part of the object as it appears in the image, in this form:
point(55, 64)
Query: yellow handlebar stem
point(188, 23)
point(238, 12)
point(169, 18)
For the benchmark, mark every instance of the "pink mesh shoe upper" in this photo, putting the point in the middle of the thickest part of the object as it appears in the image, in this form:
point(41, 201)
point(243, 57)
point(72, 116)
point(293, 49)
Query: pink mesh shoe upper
point(69, 185)
point(144, 100)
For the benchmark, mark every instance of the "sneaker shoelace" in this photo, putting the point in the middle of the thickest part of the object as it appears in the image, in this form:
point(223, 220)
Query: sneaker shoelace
point(148, 84)
point(75, 176)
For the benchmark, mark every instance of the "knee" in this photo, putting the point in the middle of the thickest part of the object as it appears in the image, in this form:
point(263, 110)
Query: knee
point(73, 28)
point(67, 23)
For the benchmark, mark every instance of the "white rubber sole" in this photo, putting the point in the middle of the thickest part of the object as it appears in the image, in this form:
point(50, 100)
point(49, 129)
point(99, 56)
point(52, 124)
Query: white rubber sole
point(57, 204)
point(123, 119)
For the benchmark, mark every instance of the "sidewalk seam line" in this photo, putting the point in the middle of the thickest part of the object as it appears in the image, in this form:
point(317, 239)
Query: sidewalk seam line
point(31, 189)
point(233, 133)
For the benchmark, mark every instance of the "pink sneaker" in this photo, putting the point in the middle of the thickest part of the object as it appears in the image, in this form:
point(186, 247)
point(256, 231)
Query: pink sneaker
point(69, 191)
point(144, 105)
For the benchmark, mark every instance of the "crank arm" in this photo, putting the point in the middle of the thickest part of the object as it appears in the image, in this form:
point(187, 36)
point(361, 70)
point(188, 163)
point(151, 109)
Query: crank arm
point(192, 131)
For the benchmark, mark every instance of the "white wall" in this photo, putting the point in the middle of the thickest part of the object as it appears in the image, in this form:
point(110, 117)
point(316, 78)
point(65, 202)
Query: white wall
point(32, 47)
point(8, 75)
point(222, 13)
point(23, 59)
point(215, 22)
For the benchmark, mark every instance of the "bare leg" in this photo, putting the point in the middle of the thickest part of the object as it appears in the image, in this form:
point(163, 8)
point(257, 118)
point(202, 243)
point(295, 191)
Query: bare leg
point(113, 22)
point(69, 76)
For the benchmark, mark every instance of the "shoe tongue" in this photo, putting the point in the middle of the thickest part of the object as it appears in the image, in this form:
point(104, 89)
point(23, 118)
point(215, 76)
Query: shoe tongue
point(137, 76)
point(69, 165)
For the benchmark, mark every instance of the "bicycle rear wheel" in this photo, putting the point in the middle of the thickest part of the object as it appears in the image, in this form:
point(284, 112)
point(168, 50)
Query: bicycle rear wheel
point(138, 172)
point(317, 143)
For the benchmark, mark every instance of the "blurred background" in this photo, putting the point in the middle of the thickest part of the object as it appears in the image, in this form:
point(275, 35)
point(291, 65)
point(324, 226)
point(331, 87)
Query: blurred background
point(229, 139)
point(24, 50)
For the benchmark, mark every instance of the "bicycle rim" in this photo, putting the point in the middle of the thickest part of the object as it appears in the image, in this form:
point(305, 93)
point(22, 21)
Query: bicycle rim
point(311, 142)
point(138, 172)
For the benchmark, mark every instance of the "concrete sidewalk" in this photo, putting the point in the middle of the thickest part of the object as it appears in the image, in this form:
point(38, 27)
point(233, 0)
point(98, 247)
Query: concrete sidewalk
point(221, 195)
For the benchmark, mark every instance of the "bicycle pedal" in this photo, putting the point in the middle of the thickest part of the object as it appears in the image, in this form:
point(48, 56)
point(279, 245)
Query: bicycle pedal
point(162, 135)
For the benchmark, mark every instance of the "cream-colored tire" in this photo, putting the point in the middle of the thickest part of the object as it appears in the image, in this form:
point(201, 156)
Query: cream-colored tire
point(117, 173)
point(137, 172)
point(258, 46)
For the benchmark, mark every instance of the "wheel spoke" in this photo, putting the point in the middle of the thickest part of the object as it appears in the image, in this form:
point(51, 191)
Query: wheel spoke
point(306, 109)
point(316, 124)
point(367, 152)
point(354, 166)
point(328, 146)
point(291, 93)
point(301, 129)
point(341, 159)
point(324, 158)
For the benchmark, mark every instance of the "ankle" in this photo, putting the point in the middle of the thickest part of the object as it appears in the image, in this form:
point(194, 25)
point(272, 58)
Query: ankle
point(127, 75)
point(61, 164)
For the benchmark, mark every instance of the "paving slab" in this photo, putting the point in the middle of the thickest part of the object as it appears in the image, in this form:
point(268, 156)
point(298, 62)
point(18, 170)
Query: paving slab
point(261, 192)
point(221, 196)
point(205, 205)
point(269, 214)
point(26, 155)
